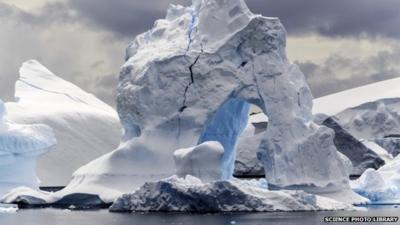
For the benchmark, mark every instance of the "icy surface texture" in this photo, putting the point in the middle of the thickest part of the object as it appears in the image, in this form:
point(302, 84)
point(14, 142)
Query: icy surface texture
point(377, 121)
point(373, 119)
point(370, 112)
point(182, 73)
point(85, 127)
point(382, 185)
point(247, 164)
point(202, 161)
point(360, 155)
point(334, 104)
point(192, 195)
point(20, 146)
point(186, 82)
point(8, 208)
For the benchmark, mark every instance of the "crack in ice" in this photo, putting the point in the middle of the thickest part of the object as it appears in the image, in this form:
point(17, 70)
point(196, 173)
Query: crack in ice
point(190, 84)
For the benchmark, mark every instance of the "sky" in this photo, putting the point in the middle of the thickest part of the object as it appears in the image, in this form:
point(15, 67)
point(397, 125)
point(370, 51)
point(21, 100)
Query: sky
point(337, 44)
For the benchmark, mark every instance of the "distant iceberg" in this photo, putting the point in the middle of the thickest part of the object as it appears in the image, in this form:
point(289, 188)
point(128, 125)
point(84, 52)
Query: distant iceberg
point(85, 127)
point(20, 146)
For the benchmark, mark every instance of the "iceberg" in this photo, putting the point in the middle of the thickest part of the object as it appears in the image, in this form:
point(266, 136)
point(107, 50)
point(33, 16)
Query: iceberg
point(20, 146)
point(84, 126)
point(190, 194)
point(6, 208)
point(377, 121)
point(362, 155)
point(185, 83)
point(370, 113)
point(380, 186)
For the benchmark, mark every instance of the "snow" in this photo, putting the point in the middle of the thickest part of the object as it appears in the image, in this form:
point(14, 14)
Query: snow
point(203, 161)
point(383, 153)
point(84, 126)
point(192, 195)
point(334, 104)
point(373, 120)
point(20, 146)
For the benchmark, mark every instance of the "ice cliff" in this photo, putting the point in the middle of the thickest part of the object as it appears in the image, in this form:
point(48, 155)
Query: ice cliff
point(20, 146)
point(84, 126)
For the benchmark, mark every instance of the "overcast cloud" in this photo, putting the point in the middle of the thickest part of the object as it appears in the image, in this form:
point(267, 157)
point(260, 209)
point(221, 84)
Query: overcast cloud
point(338, 44)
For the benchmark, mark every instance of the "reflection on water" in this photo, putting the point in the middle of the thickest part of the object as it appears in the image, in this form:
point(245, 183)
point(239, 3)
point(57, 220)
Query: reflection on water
point(103, 217)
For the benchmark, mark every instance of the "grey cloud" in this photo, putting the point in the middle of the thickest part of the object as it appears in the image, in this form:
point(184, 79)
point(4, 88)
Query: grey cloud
point(50, 13)
point(338, 18)
point(126, 18)
point(105, 88)
point(55, 36)
point(340, 73)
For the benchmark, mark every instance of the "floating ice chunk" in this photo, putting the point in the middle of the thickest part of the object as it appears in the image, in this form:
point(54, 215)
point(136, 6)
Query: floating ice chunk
point(20, 146)
point(190, 195)
point(381, 186)
point(8, 208)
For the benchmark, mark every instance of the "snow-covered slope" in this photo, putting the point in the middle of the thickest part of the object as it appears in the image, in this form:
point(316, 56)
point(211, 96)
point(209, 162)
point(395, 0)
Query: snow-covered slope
point(336, 103)
point(84, 126)
point(20, 146)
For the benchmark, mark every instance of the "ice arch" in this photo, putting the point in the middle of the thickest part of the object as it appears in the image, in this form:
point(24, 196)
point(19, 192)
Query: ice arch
point(185, 80)
point(225, 126)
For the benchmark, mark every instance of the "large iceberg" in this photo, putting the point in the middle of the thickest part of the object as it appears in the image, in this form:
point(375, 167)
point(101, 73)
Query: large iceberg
point(186, 82)
point(20, 146)
point(84, 126)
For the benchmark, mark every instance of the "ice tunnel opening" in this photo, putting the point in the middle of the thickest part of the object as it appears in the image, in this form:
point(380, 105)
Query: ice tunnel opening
point(225, 126)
